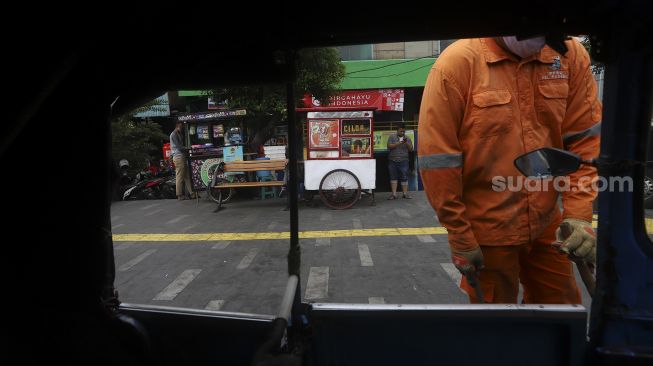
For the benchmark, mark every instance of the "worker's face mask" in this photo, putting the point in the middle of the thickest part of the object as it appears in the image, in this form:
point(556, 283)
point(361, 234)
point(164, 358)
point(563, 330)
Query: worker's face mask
point(524, 48)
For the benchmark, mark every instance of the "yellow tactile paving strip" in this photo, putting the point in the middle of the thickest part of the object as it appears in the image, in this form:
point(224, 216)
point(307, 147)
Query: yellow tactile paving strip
point(397, 231)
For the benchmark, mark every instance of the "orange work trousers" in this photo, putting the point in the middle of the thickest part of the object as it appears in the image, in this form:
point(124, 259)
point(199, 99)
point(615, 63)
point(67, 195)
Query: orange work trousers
point(546, 275)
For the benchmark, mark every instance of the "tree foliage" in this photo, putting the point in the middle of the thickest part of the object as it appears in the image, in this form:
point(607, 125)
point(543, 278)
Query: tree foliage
point(136, 140)
point(319, 72)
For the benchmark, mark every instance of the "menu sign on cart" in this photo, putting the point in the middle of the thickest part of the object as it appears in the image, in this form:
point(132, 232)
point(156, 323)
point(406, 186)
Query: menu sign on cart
point(355, 127)
point(356, 147)
point(323, 134)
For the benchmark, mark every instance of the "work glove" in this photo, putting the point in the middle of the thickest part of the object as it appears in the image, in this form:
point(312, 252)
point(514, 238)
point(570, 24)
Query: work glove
point(577, 239)
point(469, 263)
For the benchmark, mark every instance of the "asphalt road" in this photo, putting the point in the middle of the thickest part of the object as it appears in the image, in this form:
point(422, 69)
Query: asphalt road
point(182, 254)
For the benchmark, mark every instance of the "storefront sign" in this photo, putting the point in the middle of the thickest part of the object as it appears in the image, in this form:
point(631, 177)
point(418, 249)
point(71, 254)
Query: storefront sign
point(382, 99)
point(159, 108)
point(211, 115)
point(323, 134)
point(355, 127)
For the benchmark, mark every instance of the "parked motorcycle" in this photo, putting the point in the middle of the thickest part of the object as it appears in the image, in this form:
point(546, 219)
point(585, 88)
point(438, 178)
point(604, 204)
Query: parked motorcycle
point(147, 186)
point(124, 180)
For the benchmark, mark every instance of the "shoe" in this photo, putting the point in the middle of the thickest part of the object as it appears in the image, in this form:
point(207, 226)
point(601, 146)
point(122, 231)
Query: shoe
point(408, 197)
point(392, 197)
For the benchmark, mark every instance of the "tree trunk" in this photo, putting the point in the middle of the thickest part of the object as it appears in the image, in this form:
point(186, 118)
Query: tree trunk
point(264, 131)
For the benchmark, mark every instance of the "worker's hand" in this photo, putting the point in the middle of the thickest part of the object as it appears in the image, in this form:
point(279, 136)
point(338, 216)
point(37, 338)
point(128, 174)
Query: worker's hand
point(577, 239)
point(469, 263)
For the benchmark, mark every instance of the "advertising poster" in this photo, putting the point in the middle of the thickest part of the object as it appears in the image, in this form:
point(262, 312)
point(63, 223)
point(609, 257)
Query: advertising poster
point(203, 132)
point(381, 139)
point(323, 134)
point(356, 147)
point(218, 131)
point(232, 153)
point(208, 168)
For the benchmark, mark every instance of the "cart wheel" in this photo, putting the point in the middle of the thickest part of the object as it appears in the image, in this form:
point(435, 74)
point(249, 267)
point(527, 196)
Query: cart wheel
point(225, 193)
point(340, 189)
point(219, 195)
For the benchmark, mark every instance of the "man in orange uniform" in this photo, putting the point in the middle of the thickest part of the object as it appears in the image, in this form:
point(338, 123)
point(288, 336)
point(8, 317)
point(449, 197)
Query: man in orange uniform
point(486, 102)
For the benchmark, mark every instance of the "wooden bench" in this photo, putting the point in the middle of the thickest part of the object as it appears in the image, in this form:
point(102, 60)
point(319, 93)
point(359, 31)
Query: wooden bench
point(252, 166)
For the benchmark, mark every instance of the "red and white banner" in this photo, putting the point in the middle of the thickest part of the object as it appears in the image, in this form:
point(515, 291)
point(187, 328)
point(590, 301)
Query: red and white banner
point(381, 99)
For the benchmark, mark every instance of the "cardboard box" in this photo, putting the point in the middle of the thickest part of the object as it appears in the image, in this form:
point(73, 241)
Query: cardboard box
point(276, 156)
point(274, 149)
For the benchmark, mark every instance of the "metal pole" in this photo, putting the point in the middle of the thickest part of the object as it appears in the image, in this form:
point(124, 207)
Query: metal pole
point(294, 261)
point(288, 298)
point(294, 253)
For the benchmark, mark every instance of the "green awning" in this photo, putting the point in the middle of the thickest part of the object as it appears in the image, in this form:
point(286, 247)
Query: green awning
point(386, 74)
point(372, 74)
point(192, 93)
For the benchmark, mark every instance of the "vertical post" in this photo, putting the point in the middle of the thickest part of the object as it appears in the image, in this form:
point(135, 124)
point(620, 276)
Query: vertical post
point(294, 253)
point(108, 289)
point(294, 263)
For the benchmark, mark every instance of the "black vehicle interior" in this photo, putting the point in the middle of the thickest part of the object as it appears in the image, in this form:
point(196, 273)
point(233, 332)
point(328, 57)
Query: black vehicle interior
point(80, 70)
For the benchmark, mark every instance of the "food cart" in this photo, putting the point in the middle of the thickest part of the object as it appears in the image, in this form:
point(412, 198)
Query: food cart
point(207, 136)
point(340, 162)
